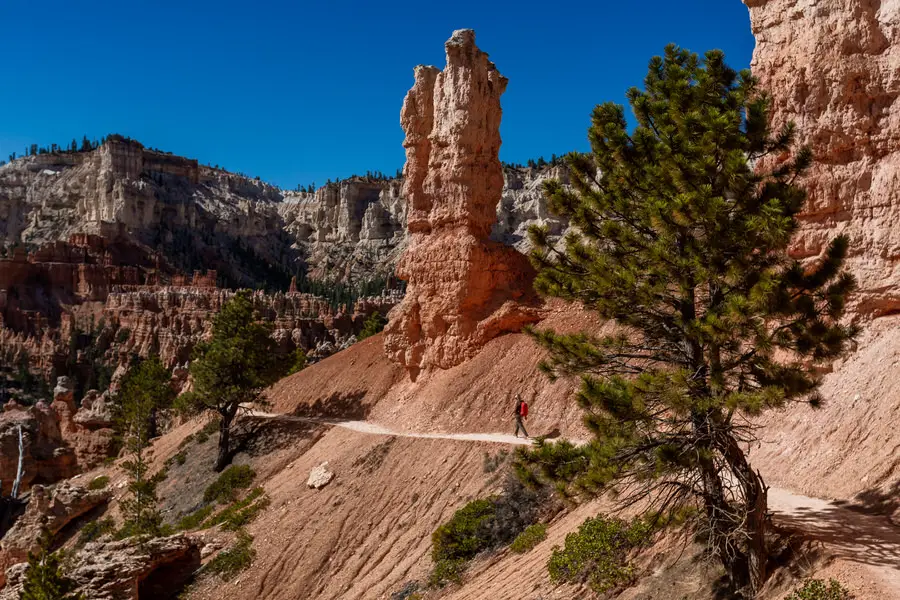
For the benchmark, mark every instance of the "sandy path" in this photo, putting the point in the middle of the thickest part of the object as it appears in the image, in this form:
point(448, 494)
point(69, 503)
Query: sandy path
point(870, 540)
point(375, 429)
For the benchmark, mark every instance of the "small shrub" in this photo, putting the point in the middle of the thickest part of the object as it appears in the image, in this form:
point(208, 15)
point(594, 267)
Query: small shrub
point(598, 553)
point(492, 463)
point(463, 536)
point(447, 570)
point(99, 483)
point(528, 539)
point(232, 561)
point(818, 589)
point(460, 539)
point(240, 513)
point(95, 530)
point(122, 335)
point(373, 325)
point(297, 361)
point(483, 525)
point(208, 429)
point(181, 457)
point(195, 519)
point(224, 489)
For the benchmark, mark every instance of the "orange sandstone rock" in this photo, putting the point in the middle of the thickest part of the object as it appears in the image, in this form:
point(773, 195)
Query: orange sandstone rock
point(831, 67)
point(464, 289)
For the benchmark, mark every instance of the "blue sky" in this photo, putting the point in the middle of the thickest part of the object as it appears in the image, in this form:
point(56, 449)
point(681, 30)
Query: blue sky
point(297, 92)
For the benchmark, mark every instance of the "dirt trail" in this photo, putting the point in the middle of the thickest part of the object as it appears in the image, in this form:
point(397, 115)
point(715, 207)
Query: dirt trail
point(375, 429)
point(870, 540)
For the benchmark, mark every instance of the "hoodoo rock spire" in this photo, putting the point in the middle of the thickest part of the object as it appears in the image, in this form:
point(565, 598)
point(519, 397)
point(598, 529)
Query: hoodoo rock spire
point(463, 289)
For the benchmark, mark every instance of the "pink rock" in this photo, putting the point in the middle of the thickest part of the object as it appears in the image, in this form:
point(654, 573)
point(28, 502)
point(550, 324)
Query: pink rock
point(831, 67)
point(463, 289)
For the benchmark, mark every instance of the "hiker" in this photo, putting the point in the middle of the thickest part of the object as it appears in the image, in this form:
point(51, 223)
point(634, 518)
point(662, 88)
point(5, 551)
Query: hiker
point(521, 412)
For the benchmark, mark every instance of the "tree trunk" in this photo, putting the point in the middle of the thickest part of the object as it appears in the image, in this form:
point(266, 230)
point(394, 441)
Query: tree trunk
point(224, 456)
point(756, 496)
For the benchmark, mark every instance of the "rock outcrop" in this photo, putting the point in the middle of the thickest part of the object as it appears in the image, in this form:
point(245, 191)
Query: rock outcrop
point(126, 570)
point(47, 457)
point(463, 288)
point(59, 440)
point(50, 508)
point(831, 67)
point(87, 430)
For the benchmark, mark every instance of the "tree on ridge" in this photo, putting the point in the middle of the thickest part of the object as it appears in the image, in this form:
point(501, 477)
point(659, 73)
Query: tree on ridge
point(232, 369)
point(681, 235)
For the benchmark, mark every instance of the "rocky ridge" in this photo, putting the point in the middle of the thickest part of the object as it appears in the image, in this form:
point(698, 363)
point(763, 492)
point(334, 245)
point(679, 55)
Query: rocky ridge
point(128, 301)
point(194, 217)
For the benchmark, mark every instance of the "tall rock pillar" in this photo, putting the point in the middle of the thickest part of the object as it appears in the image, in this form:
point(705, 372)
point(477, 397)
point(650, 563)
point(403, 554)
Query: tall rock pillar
point(463, 289)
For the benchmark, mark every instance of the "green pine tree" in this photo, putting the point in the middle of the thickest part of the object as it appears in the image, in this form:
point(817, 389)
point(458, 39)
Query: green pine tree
point(234, 368)
point(145, 390)
point(681, 235)
point(45, 578)
point(374, 324)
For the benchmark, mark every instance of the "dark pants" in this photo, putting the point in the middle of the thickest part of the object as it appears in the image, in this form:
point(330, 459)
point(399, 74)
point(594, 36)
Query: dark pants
point(520, 425)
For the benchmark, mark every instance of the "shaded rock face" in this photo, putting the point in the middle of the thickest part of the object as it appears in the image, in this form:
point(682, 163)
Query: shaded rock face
point(463, 288)
point(123, 570)
point(59, 441)
point(48, 458)
point(831, 68)
point(53, 508)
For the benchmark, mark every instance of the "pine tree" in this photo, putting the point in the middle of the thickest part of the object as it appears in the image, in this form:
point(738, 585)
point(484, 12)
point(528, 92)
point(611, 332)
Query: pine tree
point(681, 236)
point(44, 577)
point(144, 391)
point(232, 369)
point(373, 325)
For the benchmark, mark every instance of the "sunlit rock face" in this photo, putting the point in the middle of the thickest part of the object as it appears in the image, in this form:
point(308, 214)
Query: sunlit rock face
point(833, 68)
point(463, 288)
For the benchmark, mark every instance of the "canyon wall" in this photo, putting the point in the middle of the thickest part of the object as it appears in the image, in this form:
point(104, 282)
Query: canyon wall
point(253, 234)
point(463, 288)
point(833, 68)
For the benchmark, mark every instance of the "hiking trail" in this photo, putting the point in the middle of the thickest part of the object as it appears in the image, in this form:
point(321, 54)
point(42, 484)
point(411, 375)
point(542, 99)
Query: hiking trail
point(868, 539)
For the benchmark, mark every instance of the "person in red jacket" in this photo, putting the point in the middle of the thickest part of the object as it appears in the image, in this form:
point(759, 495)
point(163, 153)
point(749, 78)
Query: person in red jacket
point(521, 412)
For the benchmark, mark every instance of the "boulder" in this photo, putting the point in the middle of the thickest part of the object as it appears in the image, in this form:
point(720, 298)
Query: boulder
point(320, 476)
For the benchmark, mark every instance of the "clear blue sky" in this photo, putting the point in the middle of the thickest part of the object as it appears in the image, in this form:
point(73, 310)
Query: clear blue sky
point(304, 91)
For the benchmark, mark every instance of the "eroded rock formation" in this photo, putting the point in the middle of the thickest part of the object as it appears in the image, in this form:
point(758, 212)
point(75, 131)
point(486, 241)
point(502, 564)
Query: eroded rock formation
point(85, 287)
point(463, 288)
point(48, 458)
point(59, 440)
point(126, 570)
point(50, 508)
point(832, 68)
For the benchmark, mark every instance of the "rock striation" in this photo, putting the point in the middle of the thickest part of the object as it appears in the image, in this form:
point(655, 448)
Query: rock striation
point(831, 67)
point(463, 288)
